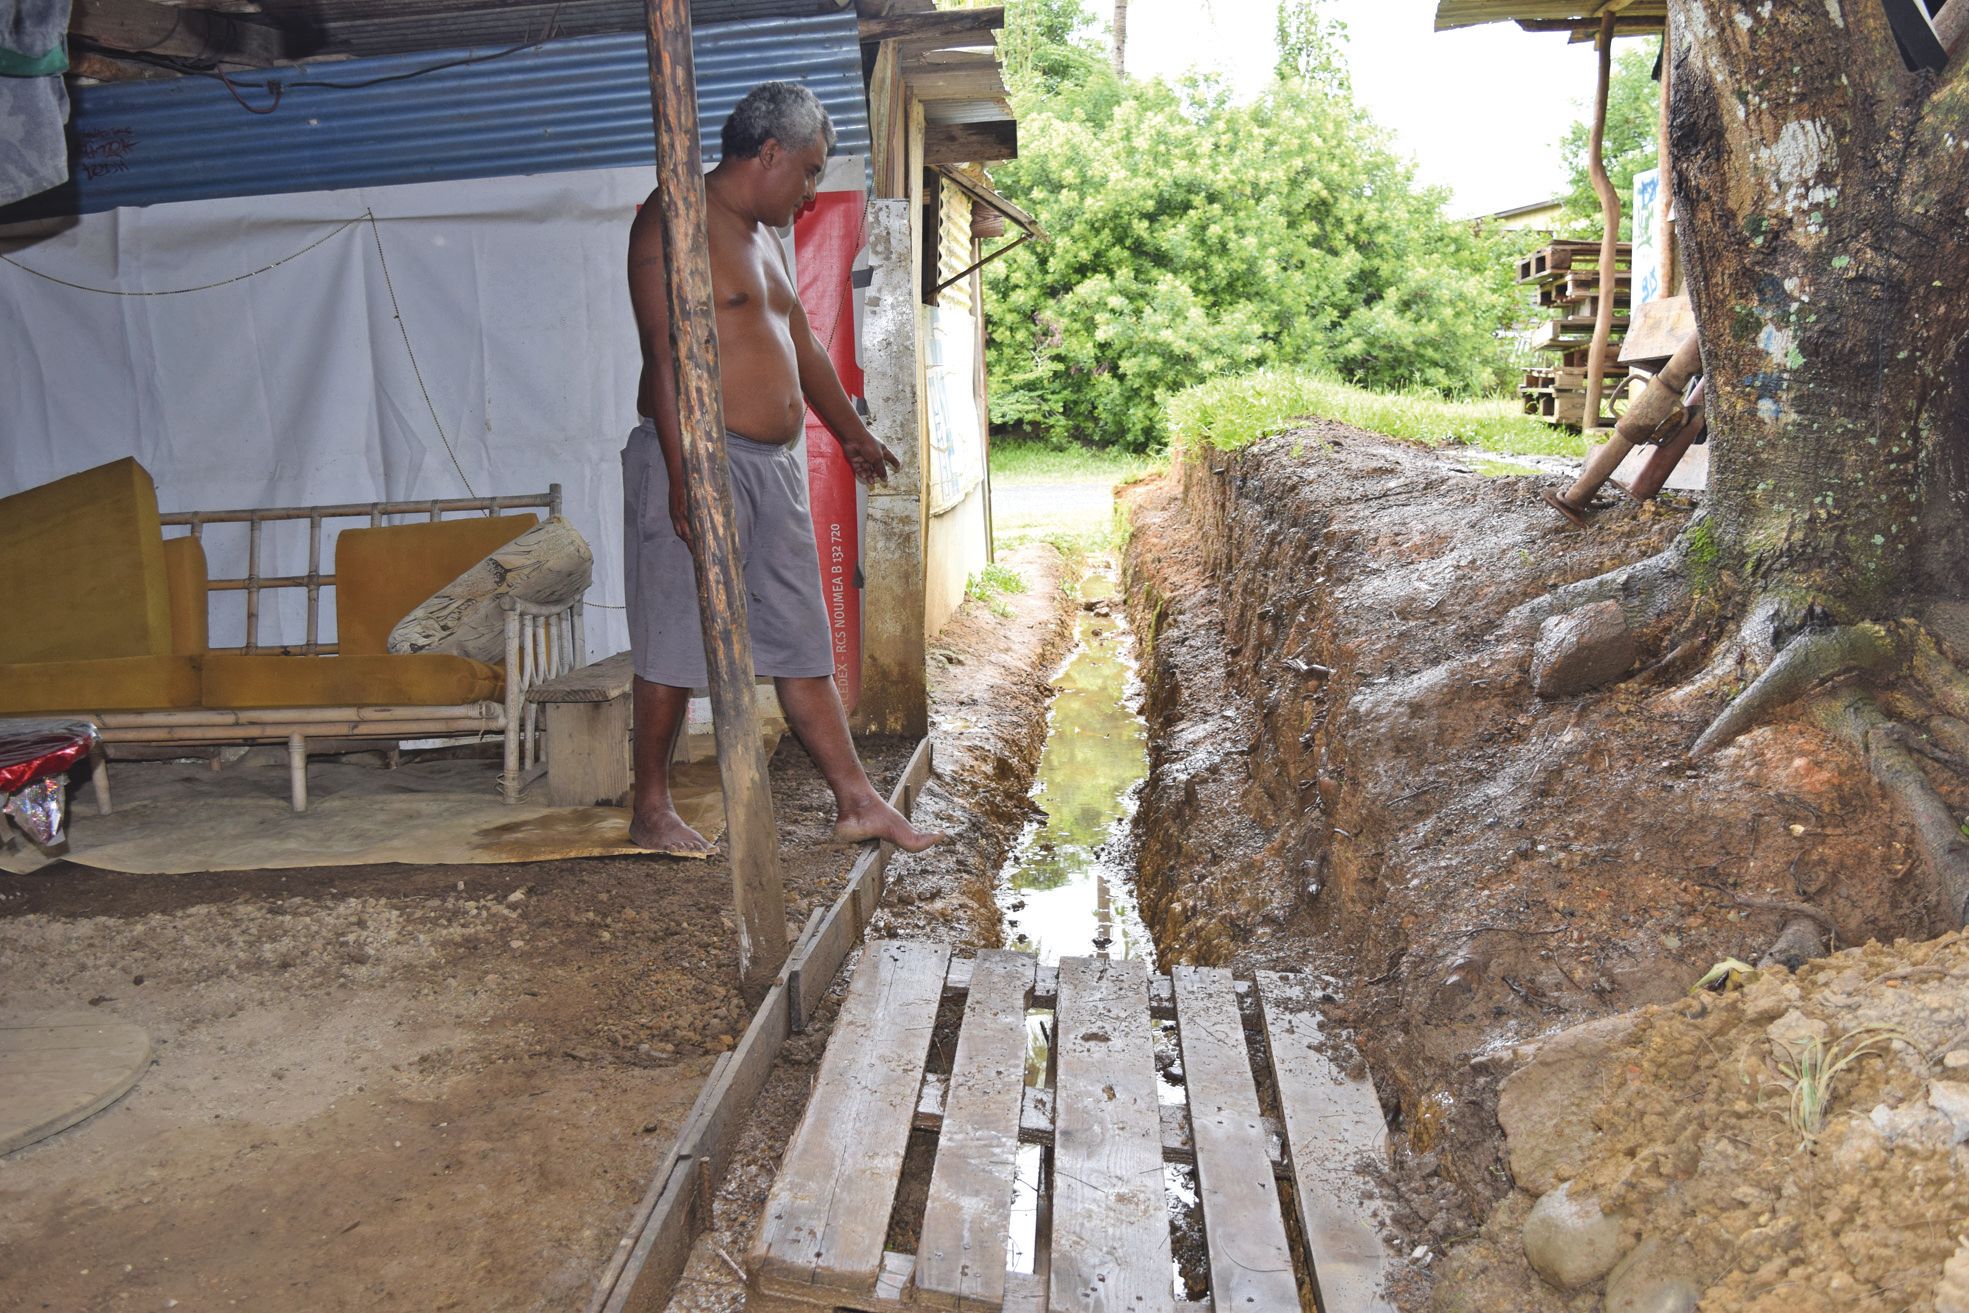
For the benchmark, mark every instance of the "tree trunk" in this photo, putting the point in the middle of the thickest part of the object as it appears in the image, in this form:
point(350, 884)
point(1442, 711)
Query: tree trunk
point(1821, 193)
point(1120, 38)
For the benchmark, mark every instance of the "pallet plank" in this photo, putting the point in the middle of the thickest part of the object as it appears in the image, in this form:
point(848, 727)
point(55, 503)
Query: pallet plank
point(1331, 1120)
point(828, 1214)
point(1243, 1229)
point(961, 1259)
point(1110, 1235)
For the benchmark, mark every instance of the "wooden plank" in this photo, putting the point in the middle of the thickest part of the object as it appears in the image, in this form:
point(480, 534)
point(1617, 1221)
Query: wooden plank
point(189, 33)
point(64, 1068)
point(1243, 1227)
point(710, 1138)
point(828, 1214)
point(971, 143)
point(1331, 1121)
point(758, 893)
point(1110, 1236)
point(656, 1259)
point(598, 681)
point(953, 24)
point(961, 1258)
point(588, 753)
point(1036, 1124)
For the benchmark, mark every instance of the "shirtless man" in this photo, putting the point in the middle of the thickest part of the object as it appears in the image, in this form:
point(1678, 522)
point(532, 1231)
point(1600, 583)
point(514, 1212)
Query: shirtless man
point(776, 144)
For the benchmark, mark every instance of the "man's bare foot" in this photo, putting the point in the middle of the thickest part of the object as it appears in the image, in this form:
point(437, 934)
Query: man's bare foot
point(878, 820)
point(663, 831)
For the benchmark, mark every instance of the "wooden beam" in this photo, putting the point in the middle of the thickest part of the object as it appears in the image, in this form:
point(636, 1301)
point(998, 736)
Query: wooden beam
point(970, 143)
point(950, 22)
point(758, 896)
point(1596, 158)
point(141, 27)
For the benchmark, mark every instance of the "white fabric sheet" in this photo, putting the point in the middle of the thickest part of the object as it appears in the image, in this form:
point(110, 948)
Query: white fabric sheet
point(292, 386)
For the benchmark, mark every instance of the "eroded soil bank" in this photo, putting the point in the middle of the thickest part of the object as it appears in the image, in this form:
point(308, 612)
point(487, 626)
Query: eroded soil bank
point(1351, 774)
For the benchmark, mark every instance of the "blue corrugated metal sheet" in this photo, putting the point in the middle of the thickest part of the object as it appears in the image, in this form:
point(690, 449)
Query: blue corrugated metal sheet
point(575, 104)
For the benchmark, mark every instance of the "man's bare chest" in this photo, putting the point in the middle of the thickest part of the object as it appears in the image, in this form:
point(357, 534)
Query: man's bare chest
point(751, 281)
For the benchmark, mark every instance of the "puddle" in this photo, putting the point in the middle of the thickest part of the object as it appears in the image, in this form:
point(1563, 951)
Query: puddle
point(1068, 888)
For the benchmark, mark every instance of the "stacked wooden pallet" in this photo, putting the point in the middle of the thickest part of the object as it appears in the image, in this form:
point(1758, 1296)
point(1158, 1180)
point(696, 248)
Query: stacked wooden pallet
point(1568, 279)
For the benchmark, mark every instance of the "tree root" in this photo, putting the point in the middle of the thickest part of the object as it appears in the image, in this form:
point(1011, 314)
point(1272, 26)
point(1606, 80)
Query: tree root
point(1950, 734)
point(1810, 659)
point(1853, 717)
point(1647, 591)
point(1941, 679)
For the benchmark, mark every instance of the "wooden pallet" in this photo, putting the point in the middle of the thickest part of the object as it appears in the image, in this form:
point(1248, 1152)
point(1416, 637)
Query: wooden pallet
point(1560, 258)
point(1280, 1227)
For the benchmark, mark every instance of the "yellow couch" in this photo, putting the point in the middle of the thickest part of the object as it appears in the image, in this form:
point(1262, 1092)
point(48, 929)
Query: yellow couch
point(110, 621)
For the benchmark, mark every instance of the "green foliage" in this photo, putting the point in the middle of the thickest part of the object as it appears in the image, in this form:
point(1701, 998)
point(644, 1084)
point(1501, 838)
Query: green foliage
point(1633, 117)
point(1312, 46)
point(1192, 237)
point(1228, 413)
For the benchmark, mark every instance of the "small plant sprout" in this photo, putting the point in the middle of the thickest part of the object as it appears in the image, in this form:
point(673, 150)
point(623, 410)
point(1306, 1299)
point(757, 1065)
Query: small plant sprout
point(1810, 1068)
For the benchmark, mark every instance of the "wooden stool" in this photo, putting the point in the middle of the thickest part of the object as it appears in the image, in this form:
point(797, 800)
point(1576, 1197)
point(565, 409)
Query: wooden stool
point(587, 713)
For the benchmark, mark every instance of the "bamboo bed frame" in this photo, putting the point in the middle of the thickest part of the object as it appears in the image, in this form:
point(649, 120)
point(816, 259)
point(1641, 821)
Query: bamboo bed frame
point(542, 642)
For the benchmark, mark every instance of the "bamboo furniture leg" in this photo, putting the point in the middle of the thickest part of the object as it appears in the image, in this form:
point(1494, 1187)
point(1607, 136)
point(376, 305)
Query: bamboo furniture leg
point(297, 771)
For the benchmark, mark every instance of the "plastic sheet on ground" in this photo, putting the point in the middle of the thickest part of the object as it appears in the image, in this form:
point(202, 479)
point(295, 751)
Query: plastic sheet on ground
point(174, 818)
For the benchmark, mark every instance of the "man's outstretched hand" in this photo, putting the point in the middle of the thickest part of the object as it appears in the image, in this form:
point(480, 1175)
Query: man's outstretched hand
point(870, 458)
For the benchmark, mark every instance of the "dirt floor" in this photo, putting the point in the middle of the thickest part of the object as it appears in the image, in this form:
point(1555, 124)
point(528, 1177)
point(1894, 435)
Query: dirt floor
point(426, 1088)
point(1350, 772)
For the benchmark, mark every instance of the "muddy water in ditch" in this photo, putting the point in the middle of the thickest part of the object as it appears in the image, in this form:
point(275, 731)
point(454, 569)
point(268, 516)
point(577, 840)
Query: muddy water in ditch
point(1068, 889)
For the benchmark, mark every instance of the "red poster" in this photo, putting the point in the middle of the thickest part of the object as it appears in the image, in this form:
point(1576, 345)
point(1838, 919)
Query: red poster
point(825, 242)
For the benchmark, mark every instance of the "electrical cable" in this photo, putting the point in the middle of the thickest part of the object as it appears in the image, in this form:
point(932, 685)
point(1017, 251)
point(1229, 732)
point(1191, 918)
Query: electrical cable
point(202, 287)
point(396, 312)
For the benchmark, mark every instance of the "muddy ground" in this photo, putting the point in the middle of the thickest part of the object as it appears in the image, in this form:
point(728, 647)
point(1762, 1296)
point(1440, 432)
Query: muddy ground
point(404, 1088)
point(1471, 867)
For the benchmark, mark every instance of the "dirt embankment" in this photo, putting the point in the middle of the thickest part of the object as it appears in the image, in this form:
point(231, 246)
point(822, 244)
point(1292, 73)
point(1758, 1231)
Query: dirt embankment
point(1351, 774)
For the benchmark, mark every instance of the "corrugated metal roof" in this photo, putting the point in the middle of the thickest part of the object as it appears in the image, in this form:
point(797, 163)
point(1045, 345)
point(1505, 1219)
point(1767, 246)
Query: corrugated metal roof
point(574, 104)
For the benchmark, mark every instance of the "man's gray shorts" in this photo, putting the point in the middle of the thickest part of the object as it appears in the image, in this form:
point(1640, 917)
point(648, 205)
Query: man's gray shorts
point(790, 634)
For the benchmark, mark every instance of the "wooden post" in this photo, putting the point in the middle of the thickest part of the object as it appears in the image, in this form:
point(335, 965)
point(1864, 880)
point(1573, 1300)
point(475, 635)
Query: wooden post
point(758, 896)
point(1596, 358)
point(1666, 162)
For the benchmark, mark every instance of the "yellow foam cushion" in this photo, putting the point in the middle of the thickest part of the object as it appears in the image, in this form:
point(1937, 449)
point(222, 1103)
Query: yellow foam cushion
point(162, 683)
point(82, 569)
point(382, 573)
point(425, 679)
point(184, 578)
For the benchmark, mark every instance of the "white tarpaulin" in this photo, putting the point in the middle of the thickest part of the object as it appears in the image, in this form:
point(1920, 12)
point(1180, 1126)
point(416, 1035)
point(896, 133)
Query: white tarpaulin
point(284, 378)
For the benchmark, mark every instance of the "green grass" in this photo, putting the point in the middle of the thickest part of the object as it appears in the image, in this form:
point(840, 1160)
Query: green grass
point(990, 584)
point(1228, 413)
point(1025, 462)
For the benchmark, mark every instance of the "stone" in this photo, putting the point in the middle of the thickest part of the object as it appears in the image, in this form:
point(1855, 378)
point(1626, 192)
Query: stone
point(1582, 650)
point(1651, 1279)
point(1546, 1107)
point(1951, 1099)
point(1569, 1242)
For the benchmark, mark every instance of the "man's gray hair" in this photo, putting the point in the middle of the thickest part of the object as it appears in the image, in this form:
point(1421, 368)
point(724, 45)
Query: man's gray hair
point(785, 112)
